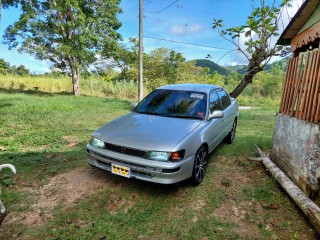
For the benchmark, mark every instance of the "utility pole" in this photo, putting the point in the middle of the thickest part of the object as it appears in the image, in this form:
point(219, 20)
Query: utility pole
point(140, 87)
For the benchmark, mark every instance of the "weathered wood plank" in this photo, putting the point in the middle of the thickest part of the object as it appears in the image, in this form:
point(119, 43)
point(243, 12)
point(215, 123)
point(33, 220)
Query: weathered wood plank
point(313, 86)
point(302, 87)
point(285, 86)
point(309, 85)
point(295, 90)
point(293, 77)
point(308, 207)
point(315, 104)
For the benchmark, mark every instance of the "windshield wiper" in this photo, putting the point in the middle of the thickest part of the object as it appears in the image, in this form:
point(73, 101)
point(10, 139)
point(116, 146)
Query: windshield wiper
point(150, 113)
point(185, 116)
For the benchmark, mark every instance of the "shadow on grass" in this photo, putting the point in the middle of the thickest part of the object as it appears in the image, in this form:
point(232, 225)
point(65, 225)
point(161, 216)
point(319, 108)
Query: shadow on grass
point(35, 91)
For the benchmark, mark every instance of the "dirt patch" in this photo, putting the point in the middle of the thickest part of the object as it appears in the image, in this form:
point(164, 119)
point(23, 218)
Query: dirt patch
point(70, 141)
point(67, 188)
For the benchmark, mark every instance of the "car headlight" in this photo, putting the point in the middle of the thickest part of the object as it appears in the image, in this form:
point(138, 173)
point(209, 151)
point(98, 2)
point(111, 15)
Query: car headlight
point(165, 156)
point(95, 142)
point(158, 156)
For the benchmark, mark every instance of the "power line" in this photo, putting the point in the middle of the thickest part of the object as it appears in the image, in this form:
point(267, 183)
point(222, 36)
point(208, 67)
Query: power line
point(164, 8)
point(186, 25)
point(186, 43)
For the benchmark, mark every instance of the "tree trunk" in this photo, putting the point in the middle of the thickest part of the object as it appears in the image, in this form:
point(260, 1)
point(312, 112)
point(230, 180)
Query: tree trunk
point(253, 69)
point(76, 82)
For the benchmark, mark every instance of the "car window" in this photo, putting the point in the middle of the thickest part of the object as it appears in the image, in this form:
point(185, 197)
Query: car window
point(214, 102)
point(174, 103)
point(225, 99)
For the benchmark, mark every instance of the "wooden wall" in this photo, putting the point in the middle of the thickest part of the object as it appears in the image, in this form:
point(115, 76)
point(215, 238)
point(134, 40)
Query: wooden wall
point(301, 87)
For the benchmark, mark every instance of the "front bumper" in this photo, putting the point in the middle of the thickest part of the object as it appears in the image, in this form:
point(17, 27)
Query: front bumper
point(143, 169)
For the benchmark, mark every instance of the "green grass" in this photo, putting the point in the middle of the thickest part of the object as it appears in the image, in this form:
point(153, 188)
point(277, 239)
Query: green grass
point(45, 134)
point(36, 129)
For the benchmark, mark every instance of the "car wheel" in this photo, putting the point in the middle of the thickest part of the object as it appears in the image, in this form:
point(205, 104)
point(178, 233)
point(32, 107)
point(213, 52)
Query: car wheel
point(200, 166)
point(232, 134)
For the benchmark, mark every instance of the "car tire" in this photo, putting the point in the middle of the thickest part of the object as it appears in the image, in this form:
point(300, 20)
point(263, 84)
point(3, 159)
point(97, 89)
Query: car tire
point(232, 134)
point(200, 166)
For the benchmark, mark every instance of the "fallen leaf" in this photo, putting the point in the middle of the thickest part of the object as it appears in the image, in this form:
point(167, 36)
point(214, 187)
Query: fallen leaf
point(72, 144)
point(270, 206)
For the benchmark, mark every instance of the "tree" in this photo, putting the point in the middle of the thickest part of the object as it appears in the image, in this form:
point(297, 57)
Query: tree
point(123, 58)
point(161, 66)
point(21, 70)
point(68, 33)
point(259, 31)
point(4, 67)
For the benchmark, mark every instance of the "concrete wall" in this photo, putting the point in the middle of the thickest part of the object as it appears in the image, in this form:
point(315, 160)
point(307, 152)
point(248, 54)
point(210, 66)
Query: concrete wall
point(296, 151)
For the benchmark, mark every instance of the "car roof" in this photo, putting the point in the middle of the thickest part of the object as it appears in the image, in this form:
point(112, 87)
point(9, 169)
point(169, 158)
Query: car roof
point(198, 87)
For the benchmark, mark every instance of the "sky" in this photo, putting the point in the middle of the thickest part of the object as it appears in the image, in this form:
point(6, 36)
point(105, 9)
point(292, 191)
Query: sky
point(181, 25)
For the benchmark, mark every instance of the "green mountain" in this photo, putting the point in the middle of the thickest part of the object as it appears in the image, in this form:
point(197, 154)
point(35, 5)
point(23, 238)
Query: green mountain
point(238, 68)
point(281, 64)
point(212, 66)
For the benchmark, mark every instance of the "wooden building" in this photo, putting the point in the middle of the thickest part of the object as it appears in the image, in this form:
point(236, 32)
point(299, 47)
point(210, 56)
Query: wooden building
point(296, 142)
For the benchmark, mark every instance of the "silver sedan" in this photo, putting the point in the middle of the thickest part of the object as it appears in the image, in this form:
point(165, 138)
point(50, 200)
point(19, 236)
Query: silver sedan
point(168, 135)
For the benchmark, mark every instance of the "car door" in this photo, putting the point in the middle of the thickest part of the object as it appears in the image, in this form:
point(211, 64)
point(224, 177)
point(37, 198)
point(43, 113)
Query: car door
point(227, 109)
point(216, 126)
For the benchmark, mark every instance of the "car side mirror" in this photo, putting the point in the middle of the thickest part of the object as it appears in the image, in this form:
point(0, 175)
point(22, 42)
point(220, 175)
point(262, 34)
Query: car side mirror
point(216, 114)
point(133, 105)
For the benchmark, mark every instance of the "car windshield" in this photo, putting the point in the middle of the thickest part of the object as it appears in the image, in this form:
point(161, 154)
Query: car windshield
point(174, 103)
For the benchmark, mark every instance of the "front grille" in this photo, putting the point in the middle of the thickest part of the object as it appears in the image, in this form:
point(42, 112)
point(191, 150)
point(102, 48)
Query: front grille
point(125, 150)
point(107, 162)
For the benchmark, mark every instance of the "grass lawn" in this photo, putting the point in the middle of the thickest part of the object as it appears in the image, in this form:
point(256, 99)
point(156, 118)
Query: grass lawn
point(56, 195)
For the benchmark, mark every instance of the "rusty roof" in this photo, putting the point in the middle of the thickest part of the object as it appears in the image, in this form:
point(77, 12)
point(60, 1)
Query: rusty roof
point(298, 21)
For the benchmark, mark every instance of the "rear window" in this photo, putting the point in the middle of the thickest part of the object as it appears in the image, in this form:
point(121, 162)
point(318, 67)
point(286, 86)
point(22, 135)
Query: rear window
point(225, 99)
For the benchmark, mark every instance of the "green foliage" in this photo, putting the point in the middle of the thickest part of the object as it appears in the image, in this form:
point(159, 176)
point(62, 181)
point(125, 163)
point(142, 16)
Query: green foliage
point(68, 33)
point(20, 70)
point(4, 67)
point(163, 66)
point(213, 67)
point(260, 28)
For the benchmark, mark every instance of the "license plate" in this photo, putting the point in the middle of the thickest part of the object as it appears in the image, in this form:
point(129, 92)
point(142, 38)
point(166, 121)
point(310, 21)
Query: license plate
point(120, 170)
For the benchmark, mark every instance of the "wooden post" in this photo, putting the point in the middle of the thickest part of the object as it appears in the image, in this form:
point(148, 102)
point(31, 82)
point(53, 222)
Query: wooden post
point(308, 207)
point(140, 87)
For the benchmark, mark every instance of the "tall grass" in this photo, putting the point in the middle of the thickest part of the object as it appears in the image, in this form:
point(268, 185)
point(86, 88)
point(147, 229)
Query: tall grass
point(91, 86)
point(96, 86)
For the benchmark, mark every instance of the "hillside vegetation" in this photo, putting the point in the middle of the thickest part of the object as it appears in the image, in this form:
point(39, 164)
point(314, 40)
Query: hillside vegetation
point(213, 67)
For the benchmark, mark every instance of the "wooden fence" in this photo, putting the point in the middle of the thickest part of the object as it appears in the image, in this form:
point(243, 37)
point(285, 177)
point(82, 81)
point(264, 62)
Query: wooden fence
point(301, 87)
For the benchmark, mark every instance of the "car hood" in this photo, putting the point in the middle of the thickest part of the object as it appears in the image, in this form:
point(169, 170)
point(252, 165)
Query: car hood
point(146, 132)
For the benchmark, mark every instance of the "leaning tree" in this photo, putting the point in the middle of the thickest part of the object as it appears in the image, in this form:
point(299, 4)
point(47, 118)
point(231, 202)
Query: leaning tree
point(69, 33)
point(259, 33)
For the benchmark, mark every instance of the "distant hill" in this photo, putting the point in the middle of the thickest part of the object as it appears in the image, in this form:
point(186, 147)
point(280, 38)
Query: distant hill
point(212, 66)
point(282, 64)
point(241, 69)
point(237, 68)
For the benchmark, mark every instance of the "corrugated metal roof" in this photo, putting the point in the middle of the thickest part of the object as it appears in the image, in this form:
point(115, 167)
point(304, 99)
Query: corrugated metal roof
point(298, 21)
